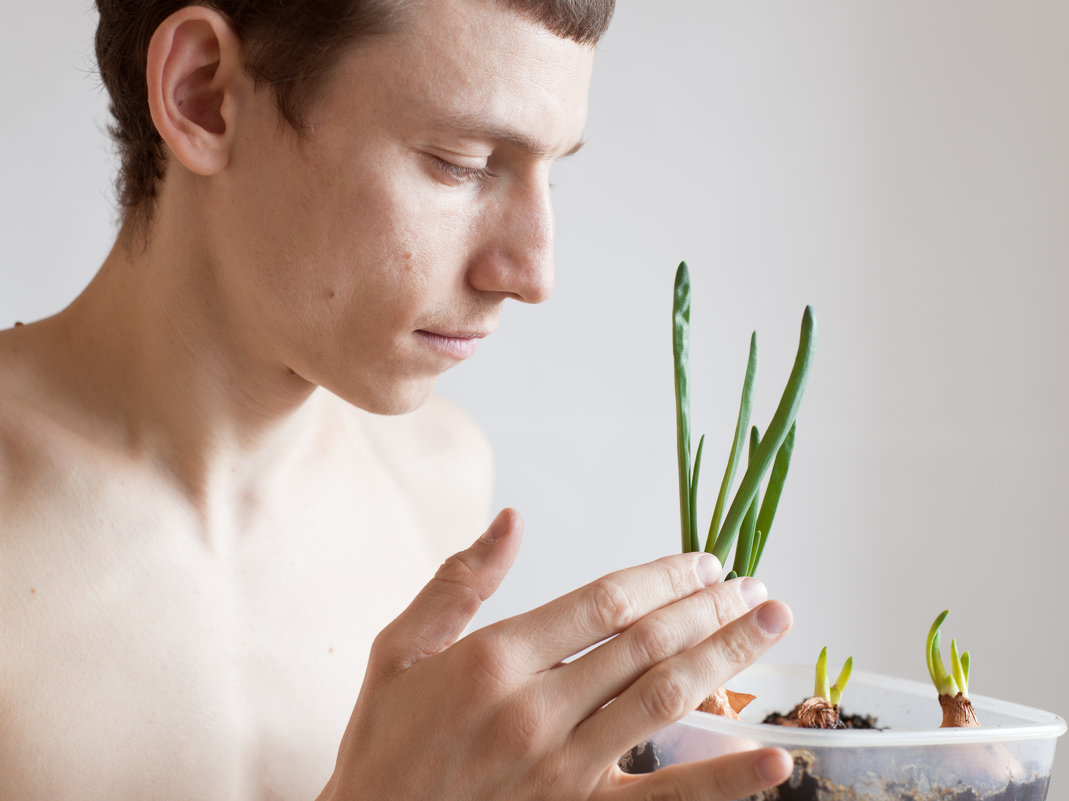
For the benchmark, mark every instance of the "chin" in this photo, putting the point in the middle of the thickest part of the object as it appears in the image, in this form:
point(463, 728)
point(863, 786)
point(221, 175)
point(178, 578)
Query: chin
point(393, 399)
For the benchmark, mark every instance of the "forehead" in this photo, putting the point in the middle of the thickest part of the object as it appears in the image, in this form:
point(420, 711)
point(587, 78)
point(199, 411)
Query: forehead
point(475, 64)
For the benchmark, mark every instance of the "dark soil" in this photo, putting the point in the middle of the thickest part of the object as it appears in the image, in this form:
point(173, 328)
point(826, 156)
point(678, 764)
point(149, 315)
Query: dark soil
point(806, 784)
point(847, 721)
point(640, 759)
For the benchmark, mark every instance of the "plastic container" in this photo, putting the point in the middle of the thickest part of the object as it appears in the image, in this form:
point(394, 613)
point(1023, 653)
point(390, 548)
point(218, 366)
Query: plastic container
point(1008, 759)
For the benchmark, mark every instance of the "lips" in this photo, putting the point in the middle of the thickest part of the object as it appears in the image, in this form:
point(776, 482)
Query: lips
point(456, 344)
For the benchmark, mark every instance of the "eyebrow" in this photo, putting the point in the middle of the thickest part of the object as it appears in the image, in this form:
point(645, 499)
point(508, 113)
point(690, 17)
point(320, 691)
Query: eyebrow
point(476, 128)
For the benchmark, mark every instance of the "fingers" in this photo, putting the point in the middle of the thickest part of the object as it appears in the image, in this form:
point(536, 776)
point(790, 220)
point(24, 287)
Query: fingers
point(550, 634)
point(722, 779)
point(674, 687)
point(599, 676)
point(437, 617)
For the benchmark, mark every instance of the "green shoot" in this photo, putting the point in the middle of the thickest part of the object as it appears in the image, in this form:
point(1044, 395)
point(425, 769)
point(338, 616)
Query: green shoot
point(748, 519)
point(743, 422)
point(957, 679)
point(782, 421)
point(748, 532)
point(693, 532)
point(776, 480)
point(823, 688)
point(841, 680)
point(681, 352)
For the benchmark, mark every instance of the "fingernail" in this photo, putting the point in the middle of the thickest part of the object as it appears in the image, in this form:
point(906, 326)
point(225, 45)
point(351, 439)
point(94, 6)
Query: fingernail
point(753, 591)
point(498, 528)
point(775, 768)
point(775, 617)
point(709, 568)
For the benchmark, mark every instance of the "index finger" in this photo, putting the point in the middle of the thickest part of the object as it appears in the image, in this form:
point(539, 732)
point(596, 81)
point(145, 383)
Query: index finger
point(548, 635)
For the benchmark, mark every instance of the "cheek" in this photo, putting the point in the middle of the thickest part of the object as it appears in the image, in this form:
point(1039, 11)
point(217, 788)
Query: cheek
point(350, 246)
point(403, 256)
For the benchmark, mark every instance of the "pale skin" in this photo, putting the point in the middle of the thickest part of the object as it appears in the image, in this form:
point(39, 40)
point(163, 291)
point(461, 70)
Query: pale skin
point(206, 528)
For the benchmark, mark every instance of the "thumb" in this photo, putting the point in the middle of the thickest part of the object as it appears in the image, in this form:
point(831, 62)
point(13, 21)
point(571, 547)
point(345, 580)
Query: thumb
point(439, 614)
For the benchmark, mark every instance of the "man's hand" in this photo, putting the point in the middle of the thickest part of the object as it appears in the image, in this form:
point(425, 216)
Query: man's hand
point(499, 715)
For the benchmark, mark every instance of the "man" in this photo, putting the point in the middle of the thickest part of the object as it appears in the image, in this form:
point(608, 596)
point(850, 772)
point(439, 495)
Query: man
point(207, 526)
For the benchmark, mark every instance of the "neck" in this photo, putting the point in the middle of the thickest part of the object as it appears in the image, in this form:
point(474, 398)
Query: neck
point(150, 351)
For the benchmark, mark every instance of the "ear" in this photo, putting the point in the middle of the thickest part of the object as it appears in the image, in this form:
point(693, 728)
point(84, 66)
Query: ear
point(196, 79)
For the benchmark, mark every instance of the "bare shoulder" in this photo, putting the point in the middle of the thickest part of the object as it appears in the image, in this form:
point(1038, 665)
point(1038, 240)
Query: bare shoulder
point(41, 483)
point(443, 462)
point(24, 434)
point(50, 472)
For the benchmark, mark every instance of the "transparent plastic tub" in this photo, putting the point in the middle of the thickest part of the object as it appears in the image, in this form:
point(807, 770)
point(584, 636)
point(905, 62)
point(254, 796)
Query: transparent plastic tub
point(910, 759)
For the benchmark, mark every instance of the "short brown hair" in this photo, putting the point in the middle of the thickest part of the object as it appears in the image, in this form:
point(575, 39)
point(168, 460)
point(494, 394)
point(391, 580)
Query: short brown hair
point(291, 45)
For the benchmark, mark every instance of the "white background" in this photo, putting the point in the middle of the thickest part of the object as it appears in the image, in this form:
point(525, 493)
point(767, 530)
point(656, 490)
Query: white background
point(904, 167)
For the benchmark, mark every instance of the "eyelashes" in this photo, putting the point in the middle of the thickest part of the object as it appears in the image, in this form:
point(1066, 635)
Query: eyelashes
point(459, 174)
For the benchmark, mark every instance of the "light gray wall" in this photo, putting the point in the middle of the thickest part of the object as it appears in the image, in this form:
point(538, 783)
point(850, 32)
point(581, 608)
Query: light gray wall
point(901, 166)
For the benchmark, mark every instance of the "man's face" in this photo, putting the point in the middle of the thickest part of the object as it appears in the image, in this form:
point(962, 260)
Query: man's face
point(370, 256)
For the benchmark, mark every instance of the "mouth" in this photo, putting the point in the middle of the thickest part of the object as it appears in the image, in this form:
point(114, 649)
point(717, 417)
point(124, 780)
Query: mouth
point(455, 344)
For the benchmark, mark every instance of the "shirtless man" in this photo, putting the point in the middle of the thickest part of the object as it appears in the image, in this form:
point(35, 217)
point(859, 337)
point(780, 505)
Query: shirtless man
point(211, 504)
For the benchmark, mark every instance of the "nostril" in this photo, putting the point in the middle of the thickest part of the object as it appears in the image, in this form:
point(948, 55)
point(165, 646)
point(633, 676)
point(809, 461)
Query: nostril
point(539, 280)
point(516, 259)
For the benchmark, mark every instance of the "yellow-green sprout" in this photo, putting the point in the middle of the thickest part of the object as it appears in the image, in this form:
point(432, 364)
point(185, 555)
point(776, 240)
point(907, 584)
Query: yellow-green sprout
point(823, 688)
point(956, 680)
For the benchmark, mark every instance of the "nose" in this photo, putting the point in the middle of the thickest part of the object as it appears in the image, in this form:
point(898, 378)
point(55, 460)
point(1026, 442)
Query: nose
point(517, 254)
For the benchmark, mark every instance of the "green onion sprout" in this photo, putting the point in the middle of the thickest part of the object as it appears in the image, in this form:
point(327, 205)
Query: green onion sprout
point(952, 685)
point(747, 520)
point(821, 709)
point(832, 693)
point(681, 352)
point(957, 679)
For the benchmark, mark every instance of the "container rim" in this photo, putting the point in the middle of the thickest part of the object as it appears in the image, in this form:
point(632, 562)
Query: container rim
point(1037, 724)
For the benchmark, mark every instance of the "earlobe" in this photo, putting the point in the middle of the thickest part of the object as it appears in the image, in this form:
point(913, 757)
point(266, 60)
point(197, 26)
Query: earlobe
point(195, 70)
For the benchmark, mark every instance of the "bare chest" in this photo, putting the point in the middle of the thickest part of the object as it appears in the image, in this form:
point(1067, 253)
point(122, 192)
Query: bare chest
point(141, 663)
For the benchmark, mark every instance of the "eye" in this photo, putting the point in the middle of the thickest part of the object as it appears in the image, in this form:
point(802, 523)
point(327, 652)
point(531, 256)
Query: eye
point(460, 174)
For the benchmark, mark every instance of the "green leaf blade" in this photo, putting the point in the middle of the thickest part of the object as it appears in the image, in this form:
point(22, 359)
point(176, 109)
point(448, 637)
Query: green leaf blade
point(956, 668)
point(842, 680)
point(692, 543)
point(681, 366)
point(782, 420)
point(943, 681)
point(777, 478)
point(822, 687)
point(931, 645)
point(742, 423)
point(749, 523)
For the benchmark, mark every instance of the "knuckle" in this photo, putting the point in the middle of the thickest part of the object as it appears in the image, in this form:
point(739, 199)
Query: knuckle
point(734, 652)
point(456, 570)
point(683, 577)
point(723, 607)
point(379, 658)
point(665, 697)
point(553, 777)
point(523, 727)
point(612, 607)
point(653, 640)
point(456, 577)
point(487, 662)
point(386, 656)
